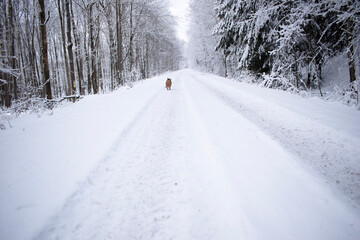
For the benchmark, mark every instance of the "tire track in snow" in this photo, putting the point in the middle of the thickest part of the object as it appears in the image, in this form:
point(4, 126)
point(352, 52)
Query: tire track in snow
point(215, 193)
point(319, 146)
point(155, 183)
point(272, 188)
point(166, 177)
point(126, 196)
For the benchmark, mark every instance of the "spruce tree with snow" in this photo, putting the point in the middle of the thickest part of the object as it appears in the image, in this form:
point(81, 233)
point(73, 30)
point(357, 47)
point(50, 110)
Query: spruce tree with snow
point(290, 41)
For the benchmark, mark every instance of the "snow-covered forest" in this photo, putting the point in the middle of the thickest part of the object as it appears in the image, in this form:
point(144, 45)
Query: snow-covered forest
point(285, 44)
point(60, 49)
point(115, 125)
point(65, 48)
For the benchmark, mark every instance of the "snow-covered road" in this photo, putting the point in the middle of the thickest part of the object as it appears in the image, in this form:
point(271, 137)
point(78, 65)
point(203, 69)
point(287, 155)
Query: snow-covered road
point(197, 162)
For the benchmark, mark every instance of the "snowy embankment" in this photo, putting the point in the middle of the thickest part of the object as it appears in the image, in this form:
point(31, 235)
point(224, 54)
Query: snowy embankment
point(44, 159)
point(210, 159)
point(324, 135)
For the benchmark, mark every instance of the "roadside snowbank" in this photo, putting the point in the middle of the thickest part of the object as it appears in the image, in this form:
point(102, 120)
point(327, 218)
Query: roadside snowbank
point(323, 135)
point(44, 159)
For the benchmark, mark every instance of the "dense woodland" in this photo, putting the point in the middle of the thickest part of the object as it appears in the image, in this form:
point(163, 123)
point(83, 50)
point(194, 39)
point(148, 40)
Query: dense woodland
point(62, 49)
point(57, 49)
point(284, 43)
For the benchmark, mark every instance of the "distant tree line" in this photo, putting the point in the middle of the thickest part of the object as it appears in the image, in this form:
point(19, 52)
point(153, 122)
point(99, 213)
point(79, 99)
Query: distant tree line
point(287, 40)
point(56, 48)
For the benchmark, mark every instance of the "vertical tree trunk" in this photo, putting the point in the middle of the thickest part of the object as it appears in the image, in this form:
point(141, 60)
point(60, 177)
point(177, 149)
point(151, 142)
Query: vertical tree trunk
point(351, 64)
point(37, 79)
point(350, 51)
point(309, 61)
point(90, 48)
point(319, 77)
point(147, 59)
point(21, 53)
point(52, 69)
point(67, 71)
point(69, 47)
point(11, 41)
point(98, 79)
point(30, 33)
point(108, 10)
point(5, 97)
point(93, 73)
point(58, 85)
point(131, 60)
point(295, 69)
point(44, 50)
point(225, 65)
point(99, 70)
point(79, 63)
point(87, 61)
point(119, 37)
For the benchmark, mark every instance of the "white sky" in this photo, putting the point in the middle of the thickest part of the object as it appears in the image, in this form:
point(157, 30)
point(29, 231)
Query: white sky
point(179, 8)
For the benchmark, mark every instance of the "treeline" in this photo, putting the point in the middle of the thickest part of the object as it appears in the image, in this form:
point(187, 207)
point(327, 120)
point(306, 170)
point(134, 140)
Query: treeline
point(57, 48)
point(287, 41)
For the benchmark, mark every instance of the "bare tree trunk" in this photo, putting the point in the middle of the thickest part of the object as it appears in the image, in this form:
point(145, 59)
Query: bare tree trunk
point(312, 68)
point(147, 59)
point(37, 79)
point(58, 86)
point(11, 38)
point(319, 72)
point(100, 70)
point(350, 51)
point(52, 69)
point(90, 47)
point(44, 50)
point(295, 69)
point(79, 63)
point(87, 62)
point(225, 66)
point(69, 47)
point(131, 60)
point(108, 13)
point(93, 73)
point(119, 37)
point(21, 53)
point(34, 76)
point(5, 81)
point(67, 71)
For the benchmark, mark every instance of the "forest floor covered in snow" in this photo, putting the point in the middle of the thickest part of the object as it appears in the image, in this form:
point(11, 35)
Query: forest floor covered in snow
point(211, 159)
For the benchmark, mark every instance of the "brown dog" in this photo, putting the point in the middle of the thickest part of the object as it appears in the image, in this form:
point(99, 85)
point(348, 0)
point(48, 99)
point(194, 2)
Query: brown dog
point(168, 84)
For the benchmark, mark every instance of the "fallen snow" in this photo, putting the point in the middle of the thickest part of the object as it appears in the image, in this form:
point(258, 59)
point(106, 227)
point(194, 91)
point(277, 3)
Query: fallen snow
point(210, 159)
point(324, 135)
point(43, 160)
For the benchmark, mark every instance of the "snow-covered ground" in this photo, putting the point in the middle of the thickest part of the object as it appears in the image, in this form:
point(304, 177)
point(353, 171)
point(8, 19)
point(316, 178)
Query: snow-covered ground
point(210, 159)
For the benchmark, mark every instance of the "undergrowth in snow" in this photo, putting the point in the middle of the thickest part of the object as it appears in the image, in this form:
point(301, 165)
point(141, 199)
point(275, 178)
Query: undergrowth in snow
point(346, 94)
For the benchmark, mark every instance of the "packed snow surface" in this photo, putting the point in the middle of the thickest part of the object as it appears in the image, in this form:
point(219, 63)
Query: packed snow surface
point(210, 159)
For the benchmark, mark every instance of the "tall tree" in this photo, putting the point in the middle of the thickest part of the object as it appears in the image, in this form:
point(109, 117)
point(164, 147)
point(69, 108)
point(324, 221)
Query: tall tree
point(119, 43)
point(60, 6)
point(69, 47)
point(44, 49)
point(93, 83)
point(79, 61)
point(131, 37)
point(107, 9)
point(11, 41)
point(4, 76)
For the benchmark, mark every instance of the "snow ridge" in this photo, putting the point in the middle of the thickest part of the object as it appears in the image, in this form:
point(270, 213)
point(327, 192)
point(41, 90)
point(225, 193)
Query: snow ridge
point(331, 152)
